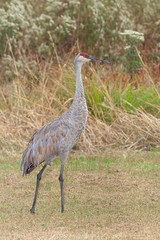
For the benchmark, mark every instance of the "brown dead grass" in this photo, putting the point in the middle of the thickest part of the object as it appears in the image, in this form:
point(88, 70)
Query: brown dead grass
point(31, 101)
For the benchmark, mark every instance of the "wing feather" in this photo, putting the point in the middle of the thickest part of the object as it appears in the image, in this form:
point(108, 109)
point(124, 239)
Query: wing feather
point(43, 146)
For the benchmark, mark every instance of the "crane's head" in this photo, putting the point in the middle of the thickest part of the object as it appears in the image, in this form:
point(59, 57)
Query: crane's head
point(84, 57)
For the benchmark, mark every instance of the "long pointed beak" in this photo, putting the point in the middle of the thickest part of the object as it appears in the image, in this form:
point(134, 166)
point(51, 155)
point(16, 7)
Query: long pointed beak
point(94, 59)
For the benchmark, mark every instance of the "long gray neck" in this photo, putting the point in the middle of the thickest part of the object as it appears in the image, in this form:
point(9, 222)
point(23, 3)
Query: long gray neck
point(79, 84)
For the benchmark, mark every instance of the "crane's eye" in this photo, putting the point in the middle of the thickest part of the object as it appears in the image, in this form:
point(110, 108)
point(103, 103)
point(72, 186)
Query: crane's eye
point(84, 55)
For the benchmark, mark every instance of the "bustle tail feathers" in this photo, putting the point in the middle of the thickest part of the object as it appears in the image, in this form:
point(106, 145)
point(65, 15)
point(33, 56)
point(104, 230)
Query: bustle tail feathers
point(27, 164)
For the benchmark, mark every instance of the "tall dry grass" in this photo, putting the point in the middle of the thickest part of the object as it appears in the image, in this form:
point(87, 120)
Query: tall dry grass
point(38, 95)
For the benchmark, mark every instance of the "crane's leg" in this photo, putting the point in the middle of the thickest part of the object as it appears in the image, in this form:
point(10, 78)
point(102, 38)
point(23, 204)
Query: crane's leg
point(61, 185)
point(39, 175)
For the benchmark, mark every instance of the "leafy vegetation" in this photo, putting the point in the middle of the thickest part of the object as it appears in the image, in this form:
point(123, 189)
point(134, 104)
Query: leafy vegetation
point(95, 25)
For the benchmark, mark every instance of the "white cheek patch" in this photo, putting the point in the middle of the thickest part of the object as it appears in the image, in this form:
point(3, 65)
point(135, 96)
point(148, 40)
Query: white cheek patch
point(83, 59)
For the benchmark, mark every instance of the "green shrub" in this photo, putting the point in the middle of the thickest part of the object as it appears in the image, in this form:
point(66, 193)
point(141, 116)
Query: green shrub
point(128, 98)
point(95, 23)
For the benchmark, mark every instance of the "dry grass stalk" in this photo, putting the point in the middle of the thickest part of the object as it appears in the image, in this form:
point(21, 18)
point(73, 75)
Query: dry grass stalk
point(28, 103)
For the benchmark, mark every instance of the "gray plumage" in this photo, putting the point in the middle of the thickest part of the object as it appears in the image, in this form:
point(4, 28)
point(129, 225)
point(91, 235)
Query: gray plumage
point(58, 137)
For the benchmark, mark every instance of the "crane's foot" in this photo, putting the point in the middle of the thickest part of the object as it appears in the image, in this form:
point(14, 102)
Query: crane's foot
point(32, 210)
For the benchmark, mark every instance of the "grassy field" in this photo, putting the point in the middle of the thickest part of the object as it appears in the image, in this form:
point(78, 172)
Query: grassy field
point(114, 196)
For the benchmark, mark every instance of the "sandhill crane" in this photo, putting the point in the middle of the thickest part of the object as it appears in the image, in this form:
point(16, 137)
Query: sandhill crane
point(58, 137)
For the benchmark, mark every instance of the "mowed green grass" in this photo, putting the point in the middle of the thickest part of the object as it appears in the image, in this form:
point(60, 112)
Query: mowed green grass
point(111, 196)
